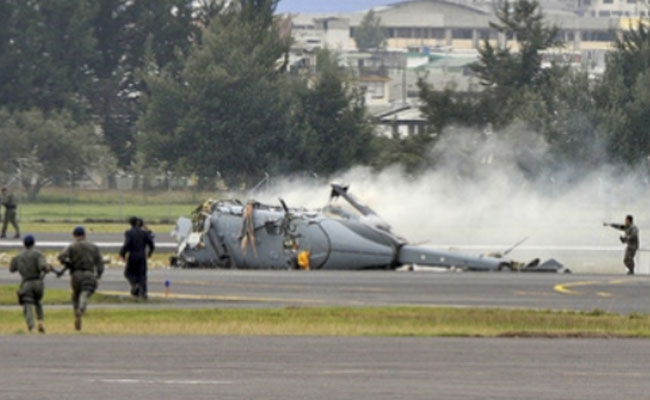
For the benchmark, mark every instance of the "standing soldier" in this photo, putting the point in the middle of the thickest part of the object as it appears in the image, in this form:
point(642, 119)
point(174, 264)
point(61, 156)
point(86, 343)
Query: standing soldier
point(9, 201)
point(86, 266)
point(138, 244)
point(631, 238)
point(32, 268)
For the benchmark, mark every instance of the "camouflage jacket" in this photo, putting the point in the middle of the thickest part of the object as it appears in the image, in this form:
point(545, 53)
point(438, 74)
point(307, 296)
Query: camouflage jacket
point(30, 263)
point(83, 256)
point(9, 201)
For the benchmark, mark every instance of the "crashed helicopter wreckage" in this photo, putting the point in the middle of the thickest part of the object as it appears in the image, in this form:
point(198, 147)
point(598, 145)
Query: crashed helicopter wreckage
point(230, 234)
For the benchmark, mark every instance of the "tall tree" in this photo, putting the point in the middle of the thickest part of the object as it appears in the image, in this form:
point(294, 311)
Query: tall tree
point(370, 33)
point(39, 148)
point(226, 113)
point(514, 83)
point(503, 72)
point(332, 120)
point(46, 53)
point(505, 75)
point(133, 35)
point(622, 96)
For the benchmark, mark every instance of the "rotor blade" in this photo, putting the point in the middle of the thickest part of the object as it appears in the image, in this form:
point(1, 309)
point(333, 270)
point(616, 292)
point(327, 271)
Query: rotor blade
point(338, 190)
point(284, 205)
point(515, 245)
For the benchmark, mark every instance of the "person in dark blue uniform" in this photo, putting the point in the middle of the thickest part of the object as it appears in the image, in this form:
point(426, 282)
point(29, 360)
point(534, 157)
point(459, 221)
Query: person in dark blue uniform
point(138, 245)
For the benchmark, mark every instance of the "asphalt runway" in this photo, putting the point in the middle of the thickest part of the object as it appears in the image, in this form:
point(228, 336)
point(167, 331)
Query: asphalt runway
point(598, 257)
point(106, 241)
point(84, 367)
point(227, 288)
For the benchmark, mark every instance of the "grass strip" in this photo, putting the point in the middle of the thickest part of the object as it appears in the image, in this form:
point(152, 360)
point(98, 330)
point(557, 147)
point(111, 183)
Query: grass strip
point(91, 228)
point(124, 196)
point(340, 321)
point(89, 212)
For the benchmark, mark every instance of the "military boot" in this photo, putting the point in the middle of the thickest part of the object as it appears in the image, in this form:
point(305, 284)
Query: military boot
point(41, 328)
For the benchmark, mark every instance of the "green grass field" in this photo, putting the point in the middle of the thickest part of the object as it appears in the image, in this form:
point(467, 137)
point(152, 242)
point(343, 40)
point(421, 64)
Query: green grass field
point(111, 196)
point(88, 212)
point(339, 321)
point(67, 227)
point(56, 205)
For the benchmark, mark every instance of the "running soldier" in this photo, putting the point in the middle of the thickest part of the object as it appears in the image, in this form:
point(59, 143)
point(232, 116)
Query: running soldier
point(32, 268)
point(86, 266)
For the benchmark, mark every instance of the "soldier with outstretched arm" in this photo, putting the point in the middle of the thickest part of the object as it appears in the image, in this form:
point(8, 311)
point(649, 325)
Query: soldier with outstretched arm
point(630, 238)
point(32, 268)
point(84, 261)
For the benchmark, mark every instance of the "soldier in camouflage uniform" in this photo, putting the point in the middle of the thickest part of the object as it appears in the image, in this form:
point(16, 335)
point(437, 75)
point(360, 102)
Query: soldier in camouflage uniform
point(86, 266)
point(631, 238)
point(32, 268)
point(9, 201)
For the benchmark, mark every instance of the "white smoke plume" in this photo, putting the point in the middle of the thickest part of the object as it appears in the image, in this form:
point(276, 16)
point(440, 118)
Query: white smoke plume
point(493, 190)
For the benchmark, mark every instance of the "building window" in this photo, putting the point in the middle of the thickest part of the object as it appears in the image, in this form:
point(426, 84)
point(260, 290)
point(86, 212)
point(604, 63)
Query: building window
point(403, 33)
point(390, 32)
point(586, 2)
point(461, 33)
point(608, 1)
point(373, 89)
point(486, 34)
point(419, 32)
point(631, 1)
point(603, 13)
point(597, 36)
point(437, 33)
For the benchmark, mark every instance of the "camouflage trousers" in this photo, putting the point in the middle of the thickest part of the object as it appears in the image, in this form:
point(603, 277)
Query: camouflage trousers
point(628, 260)
point(10, 217)
point(83, 285)
point(31, 294)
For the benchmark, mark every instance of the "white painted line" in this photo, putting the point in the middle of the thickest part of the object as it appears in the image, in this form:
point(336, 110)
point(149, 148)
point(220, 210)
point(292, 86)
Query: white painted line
point(50, 244)
point(164, 381)
point(495, 247)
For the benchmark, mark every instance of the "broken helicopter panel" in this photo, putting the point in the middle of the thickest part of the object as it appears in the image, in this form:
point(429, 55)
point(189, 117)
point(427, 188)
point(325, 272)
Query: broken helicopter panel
point(230, 234)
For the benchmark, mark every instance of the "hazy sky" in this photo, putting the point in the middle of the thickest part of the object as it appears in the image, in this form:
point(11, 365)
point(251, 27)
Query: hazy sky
point(329, 5)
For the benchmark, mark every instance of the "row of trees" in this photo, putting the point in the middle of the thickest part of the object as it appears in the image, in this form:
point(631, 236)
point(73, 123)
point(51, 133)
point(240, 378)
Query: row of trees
point(198, 87)
point(194, 87)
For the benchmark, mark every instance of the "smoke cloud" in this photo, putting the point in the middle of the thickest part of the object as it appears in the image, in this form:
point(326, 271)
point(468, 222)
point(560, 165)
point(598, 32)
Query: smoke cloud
point(491, 190)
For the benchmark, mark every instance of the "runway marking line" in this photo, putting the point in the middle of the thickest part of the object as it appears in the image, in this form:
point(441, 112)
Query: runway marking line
point(566, 288)
point(164, 381)
point(267, 286)
point(181, 296)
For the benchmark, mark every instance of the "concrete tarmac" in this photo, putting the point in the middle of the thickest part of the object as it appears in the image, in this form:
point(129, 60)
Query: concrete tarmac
point(83, 367)
point(238, 288)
